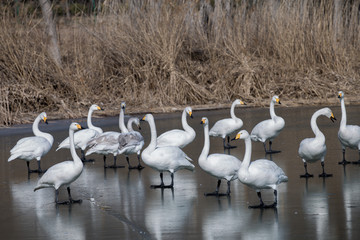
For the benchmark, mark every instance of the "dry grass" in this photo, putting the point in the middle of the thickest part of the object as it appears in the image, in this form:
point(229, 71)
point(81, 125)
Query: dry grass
point(161, 56)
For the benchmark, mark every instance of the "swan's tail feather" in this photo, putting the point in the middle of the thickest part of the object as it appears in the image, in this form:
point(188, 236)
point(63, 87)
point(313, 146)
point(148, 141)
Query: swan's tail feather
point(13, 157)
point(283, 178)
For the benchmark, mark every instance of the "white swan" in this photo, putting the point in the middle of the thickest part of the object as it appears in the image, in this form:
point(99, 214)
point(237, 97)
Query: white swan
point(314, 149)
point(33, 147)
point(270, 128)
point(64, 173)
point(170, 159)
point(177, 137)
point(131, 142)
point(221, 166)
point(82, 137)
point(227, 126)
point(349, 135)
point(259, 174)
point(108, 142)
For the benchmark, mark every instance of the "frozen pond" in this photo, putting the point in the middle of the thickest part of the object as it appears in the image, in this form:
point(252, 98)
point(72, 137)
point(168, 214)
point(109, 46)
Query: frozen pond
point(119, 203)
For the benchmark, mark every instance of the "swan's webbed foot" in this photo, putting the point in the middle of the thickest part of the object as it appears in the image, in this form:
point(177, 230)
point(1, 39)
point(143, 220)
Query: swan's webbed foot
point(217, 194)
point(324, 175)
point(114, 166)
point(162, 186)
point(261, 205)
point(356, 162)
point(138, 167)
point(272, 151)
point(306, 175)
point(70, 201)
point(84, 160)
point(344, 162)
point(228, 146)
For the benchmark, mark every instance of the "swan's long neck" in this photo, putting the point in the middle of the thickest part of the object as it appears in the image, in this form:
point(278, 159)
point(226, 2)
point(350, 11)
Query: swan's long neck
point(205, 152)
point(343, 113)
point(247, 156)
point(129, 125)
point(37, 132)
point(75, 157)
point(272, 110)
point(185, 125)
point(153, 141)
point(232, 111)
point(315, 128)
point(89, 122)
point(122, 121)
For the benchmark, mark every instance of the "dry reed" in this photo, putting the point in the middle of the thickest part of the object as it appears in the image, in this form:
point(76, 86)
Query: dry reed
point(159, 55)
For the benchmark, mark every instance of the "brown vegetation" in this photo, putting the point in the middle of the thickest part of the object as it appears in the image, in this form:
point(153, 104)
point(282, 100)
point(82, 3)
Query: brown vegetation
point(163, 54)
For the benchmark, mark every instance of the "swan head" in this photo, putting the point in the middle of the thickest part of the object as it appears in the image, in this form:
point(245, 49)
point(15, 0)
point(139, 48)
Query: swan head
point(123, 105)
point(341, 94)
point(188, 110)
point(276, 99)
point(135, 120)
point(43, 117)
point(328, 113)
point(148, 117)
point(75, 126)
point(243, 134)
point(239, 102)
point(95, 107)
point(204, 121)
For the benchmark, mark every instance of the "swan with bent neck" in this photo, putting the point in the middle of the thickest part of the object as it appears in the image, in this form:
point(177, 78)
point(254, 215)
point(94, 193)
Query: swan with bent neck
point(220, 166)
point(270, 128)
point(84, 136)
point(314, 149)
point(108, 142)
point(164, 159)
point(259, 174)
point(225, 127)
point(176, 137)
point(131, 142)
point(63, 173)
point(34, 147)
point(349, 135)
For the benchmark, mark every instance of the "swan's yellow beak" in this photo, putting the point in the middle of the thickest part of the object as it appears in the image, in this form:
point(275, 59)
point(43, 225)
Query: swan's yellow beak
point(99, 108)
point(202, 121)
point(45, 120)
point(242, 103)
point(190, 114)
point(237, 136)
point(340, 95)
point(143, 119)
point(278, 100)
point(332, 117)
point(78, 126)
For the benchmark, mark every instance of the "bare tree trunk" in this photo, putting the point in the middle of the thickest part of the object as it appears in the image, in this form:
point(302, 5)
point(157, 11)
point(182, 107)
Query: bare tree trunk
point(51, 31)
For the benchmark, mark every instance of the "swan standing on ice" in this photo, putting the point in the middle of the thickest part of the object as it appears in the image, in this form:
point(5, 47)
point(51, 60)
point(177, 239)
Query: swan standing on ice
point(108, 142)
point(176, 137)
point(314, 149)
point(259, 174)
point(170, 159)
point(131, 142)
point(81, 138)
point(225, 127)
point(349, 135)
point(221, 166)
point(33, 147)
point(270, 128)
point(64, 173)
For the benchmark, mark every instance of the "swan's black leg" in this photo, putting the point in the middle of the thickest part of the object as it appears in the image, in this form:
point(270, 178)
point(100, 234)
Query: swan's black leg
point(261, 205)
point(270, 151)
point(323, 173)
point(172, 182)
point(227, 145)
point(306, 175)
point(228, 190)
point(71, 200)
point(358, 161)
point(28, 167)
point(105, 166)
point(83, 159)
point(114, 166)
point(216, 193)
point(275, 201)
point(139, 163)
point(343, 162)
point(161, 184)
